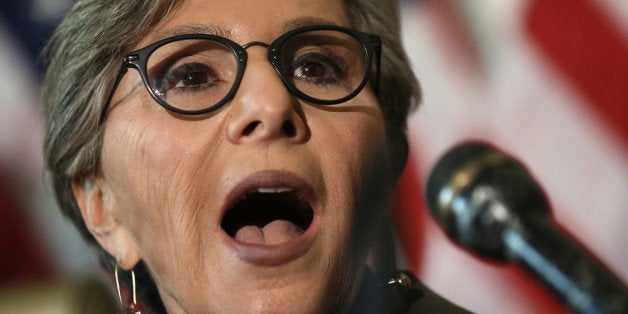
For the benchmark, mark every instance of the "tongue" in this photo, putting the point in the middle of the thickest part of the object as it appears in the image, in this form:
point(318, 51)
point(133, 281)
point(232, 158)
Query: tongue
point(250, 234)
point(274, 233)
point(280, 231)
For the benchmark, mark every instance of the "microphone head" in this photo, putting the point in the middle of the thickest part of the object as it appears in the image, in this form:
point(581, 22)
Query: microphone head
point(475, 191)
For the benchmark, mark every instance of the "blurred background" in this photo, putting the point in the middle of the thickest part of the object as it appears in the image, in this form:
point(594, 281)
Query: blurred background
point(44, 265)
point(545, 80)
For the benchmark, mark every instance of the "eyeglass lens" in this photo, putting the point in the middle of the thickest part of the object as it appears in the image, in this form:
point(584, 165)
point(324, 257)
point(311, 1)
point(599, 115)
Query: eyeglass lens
point(194, 74)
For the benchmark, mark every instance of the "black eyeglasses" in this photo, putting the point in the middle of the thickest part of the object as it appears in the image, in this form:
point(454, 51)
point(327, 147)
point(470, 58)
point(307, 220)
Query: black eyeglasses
point(197, 73)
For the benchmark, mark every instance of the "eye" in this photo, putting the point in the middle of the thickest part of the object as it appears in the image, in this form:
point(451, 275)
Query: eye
point(310, 70)
point(318, 68)
point(192, 79)
point(188, 77)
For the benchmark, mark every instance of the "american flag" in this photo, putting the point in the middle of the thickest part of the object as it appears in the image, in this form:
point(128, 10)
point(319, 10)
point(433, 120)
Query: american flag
point(36, 243)
point(546, 81)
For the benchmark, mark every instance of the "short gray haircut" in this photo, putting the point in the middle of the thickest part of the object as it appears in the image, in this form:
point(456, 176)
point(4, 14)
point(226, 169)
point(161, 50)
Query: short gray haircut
point(84, 56)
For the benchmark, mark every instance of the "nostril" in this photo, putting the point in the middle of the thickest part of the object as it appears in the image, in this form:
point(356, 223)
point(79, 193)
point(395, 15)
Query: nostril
point(250, 128)
point(288, 128)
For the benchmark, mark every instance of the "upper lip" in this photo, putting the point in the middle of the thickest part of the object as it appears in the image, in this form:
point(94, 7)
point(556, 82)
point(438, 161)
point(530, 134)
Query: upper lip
point(273, 179)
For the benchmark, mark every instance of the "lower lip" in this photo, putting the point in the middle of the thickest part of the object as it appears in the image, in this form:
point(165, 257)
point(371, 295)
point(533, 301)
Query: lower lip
point(274, 255)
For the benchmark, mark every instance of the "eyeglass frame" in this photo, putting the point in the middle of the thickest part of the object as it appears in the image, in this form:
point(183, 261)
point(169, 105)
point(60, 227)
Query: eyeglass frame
point(138, 59)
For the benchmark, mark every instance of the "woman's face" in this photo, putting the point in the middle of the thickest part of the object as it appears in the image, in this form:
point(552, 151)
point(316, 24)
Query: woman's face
point(266, 204)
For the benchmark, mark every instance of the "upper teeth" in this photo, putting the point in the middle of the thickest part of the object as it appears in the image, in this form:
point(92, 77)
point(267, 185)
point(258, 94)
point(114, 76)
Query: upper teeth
point(274, 190)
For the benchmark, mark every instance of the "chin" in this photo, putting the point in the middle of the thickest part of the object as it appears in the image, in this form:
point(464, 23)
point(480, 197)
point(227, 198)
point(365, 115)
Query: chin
point(291, 293)
point(306, 297)
point(311, 283)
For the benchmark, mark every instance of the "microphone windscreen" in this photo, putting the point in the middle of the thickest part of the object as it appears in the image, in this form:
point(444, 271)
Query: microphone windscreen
point(475, 191)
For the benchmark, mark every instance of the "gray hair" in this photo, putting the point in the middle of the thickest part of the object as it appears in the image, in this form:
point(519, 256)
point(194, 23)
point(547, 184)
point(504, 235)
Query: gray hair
point(85, 54)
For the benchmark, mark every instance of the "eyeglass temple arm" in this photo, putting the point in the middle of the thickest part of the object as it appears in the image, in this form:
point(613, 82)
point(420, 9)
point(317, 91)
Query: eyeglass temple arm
point(376, 41)
point(123, 69)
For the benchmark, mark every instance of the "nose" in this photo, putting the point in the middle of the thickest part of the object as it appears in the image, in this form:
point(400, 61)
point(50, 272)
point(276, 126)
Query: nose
point(263, 109)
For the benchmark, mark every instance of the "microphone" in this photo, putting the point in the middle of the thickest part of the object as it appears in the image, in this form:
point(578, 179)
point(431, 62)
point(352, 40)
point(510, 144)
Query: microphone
point(488, 203)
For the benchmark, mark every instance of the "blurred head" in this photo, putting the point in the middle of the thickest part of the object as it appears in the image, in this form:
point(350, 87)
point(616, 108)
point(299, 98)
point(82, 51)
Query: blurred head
point(264, 202)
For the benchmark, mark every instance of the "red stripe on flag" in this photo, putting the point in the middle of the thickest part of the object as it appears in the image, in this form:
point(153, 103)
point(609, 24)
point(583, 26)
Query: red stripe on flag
point(453, 31)
point(589, 50)
point(22, 255)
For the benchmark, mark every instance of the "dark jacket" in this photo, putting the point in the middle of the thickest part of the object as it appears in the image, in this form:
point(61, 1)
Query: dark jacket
point(400, 292)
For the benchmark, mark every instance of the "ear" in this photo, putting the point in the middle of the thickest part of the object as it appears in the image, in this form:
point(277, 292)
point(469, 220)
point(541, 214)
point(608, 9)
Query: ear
point(101, 215)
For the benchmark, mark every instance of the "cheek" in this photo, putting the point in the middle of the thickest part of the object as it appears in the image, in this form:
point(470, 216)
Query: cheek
point(131, 149)
point(358, 163)
point(355, 157)
point(154, 175)
point(356, 144)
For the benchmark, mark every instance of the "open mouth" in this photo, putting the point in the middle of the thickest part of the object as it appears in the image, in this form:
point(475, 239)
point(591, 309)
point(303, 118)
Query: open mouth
point(268, 216)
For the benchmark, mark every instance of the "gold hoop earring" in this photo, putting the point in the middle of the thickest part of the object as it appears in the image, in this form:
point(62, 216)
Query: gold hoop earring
point(131, 309)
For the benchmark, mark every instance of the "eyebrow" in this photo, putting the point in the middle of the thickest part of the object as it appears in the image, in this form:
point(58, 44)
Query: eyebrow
point(232, 34)
point(195, 29)
point(305, 21)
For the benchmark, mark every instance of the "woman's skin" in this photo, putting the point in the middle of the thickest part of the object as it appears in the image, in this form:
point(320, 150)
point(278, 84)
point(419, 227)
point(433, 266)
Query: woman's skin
point(166, 180)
